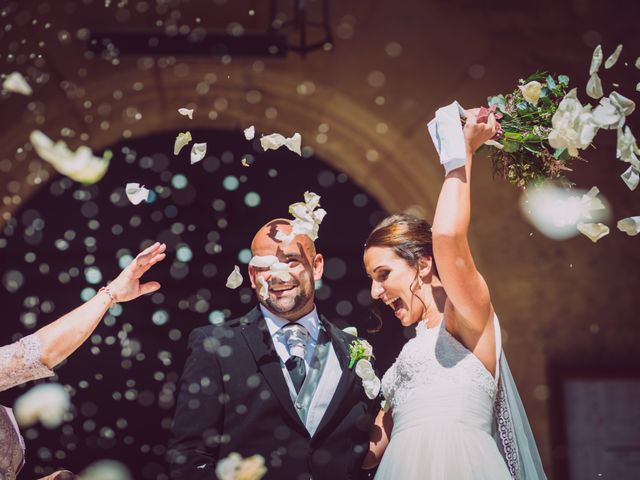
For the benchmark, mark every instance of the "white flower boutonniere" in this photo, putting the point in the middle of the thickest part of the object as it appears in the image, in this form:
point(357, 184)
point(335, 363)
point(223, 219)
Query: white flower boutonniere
point(360, 354)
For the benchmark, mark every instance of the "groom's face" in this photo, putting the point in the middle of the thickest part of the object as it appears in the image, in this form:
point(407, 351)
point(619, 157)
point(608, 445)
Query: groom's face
point(292, 297)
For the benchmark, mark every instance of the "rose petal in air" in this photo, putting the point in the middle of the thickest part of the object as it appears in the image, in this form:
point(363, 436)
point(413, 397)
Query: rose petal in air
point(263, 261)
point(631, 177)
point(235, 278)
point(596, 60)
point(594, 231)
point(629, 225)
point(250, 132)
point(181, 140)
point(16, 83)
point(47, 403)
point(198, 151)
point(351, 331)
point(275, 141)
point(264, 288)
point(136, 193)
point(81, 165)
point(187, 112)
point(613, 58)
point(594, 86)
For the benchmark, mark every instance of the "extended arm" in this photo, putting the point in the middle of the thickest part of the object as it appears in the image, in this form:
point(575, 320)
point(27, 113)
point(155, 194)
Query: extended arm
point(465, 287)
point(62, 337)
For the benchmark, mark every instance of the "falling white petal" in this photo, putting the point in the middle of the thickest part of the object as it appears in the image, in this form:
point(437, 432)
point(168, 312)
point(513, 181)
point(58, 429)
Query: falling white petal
point(371, 387)
point(244, 162)
point(46, 403)
point(81, 165)
point(594, 86)
point(250, 132)
point(631, 177)
point(555, 212)
point(16, 83)
point(263, 261)
point(626, 146)
point(187, 112)
point(275, 141)
point(136, 193)
point(227, 467)
point(281, 271)
point(593, 231)
point(351, 331)
point(198, 151)
point(613, 58)
point(181, 140)
point(235, 278)
point(364, 369)
point(234, 467)
point(629, 225)
point(637, 64)
point(106, 470)
point(264, 288)
point(596, 60)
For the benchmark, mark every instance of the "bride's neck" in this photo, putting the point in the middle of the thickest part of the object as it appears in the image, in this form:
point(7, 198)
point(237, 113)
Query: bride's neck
point(434, 297)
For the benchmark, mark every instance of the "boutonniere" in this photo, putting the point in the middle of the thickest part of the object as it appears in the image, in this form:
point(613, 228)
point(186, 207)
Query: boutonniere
point(360, 355)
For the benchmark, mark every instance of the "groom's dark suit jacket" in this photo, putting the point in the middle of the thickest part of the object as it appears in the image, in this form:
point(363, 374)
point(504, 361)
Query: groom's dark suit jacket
point(233, 397)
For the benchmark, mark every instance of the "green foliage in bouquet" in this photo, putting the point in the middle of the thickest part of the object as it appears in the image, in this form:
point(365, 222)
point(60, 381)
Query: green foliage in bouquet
point(522, 153)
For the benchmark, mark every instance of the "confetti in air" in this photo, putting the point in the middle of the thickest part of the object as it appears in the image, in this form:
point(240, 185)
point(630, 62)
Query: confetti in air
point(187, 112)
point(181, 140)
point(275, 141)
point(81, 165)
point(45, 403)
point(136, 193)
point(235, 278)
point(250, 132)
point(306, 219)
point(16, 83)
point(198, 151)
point(234, 467)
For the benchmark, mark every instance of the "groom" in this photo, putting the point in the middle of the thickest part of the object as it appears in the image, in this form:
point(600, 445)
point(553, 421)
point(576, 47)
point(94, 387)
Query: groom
point(274, 382)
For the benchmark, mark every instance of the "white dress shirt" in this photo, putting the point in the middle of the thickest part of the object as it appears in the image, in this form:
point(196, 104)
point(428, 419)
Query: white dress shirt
point(274, 323)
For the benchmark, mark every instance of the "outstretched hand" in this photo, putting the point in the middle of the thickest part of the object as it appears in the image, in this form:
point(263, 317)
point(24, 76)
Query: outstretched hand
point(478, 130)
point(127, 285)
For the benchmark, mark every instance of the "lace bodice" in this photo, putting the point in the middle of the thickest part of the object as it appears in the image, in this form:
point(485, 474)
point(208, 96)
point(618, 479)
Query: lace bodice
point(19, 363)
point(434, 357)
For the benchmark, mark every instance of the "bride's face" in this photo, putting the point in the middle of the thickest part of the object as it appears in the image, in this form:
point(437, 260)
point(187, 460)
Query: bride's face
point(394, 281)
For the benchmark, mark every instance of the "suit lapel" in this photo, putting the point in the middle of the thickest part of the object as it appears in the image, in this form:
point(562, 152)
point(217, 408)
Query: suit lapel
point(340, 342)
point(257, 336)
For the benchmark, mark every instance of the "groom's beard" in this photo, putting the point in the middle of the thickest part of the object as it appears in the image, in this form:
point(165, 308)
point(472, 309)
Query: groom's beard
point(288, 305)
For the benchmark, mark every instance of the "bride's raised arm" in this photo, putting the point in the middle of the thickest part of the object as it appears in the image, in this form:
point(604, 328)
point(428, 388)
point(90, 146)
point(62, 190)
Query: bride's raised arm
point(465, 287)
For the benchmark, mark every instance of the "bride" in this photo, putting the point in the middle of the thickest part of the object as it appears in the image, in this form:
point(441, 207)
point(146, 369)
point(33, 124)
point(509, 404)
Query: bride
point(452, 410)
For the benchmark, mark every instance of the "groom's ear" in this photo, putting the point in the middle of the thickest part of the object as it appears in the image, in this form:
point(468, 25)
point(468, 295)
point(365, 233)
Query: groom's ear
point(251, 274)
point(318, 266)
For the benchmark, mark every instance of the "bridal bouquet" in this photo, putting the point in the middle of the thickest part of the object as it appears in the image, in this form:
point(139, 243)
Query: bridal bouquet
point(543, 126)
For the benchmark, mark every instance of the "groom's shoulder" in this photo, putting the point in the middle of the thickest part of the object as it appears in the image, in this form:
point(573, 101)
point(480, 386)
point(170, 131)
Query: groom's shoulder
point(227, 328)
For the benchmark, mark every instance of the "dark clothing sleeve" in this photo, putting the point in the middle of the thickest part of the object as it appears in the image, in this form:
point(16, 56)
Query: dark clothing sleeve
point(197, 425)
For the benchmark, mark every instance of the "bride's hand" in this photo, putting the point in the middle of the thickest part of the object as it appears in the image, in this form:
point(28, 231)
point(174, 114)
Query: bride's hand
point(477, 131)
point(127, 285)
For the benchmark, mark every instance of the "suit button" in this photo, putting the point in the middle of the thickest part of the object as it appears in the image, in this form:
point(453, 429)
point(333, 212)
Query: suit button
point(298, 405)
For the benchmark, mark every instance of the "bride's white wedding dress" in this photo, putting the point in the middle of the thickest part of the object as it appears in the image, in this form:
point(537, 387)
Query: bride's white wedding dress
point(443, 401)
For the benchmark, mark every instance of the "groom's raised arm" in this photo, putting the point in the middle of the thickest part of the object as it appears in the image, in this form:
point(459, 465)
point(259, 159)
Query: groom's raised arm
point(197, 423)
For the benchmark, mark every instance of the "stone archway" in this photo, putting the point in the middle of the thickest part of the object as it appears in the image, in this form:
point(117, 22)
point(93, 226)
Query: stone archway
point(391, 166)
